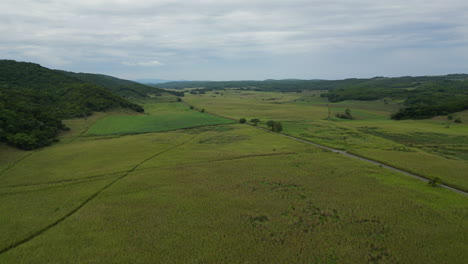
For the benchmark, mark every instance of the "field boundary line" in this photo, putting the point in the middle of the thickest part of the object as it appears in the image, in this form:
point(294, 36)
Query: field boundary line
point(89, 199)
point(65, 181)
point(380, 164)
point(86, 130)
point(54, 186)
point(220, 160)
point(15, 163)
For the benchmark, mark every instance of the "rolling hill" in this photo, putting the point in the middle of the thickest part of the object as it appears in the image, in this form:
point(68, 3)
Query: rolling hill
point(34, 100)
point(121, 87)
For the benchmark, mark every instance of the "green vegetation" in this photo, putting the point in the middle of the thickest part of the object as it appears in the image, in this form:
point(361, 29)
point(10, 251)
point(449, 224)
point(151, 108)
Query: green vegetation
point(254, 121)
point(275, 126)
point(34, 100)
point(435, 182)
point(294, 85)
point(424, 96)
point(423, 100)
point(223, 192)
point(424, 147)
point(115, 125)
point(434, 99)
point(121, 87)
point(346, 115)
point(209, 193)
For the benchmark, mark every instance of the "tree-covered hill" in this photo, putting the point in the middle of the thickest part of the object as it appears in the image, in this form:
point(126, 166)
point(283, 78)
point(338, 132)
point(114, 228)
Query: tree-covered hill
point(34, 100)
point(423, 97)
point(121, 87)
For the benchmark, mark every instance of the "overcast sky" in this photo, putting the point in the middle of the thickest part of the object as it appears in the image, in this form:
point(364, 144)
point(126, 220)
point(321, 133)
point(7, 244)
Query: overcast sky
point(241, 39)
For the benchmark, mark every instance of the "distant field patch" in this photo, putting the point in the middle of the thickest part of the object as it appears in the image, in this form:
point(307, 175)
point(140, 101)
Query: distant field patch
point(117, 125)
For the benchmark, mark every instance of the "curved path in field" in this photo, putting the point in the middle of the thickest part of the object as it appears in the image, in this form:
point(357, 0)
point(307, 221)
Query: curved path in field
point(351, 155)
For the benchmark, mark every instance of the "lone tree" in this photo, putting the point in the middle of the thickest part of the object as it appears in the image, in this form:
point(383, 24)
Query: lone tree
point(346, 115)
point(275, 126)
point(254, 121)
point(242, 120)
point(435, 182)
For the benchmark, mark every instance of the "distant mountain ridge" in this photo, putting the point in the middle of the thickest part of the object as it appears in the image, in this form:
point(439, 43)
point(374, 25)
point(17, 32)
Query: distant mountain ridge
point(297, 85)
point(154, 81)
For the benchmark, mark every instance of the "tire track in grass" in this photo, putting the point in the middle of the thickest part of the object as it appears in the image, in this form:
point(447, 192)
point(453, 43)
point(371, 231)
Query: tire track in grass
point(12, 165)
point(63, 181)
point(380, 164)
point(89, 199)
point(219, 160)
point(56, 185)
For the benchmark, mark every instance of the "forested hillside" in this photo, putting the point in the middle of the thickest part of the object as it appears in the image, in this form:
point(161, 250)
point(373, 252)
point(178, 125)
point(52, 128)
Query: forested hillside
point(121, 87)
point(34, 100)
point(422, 99)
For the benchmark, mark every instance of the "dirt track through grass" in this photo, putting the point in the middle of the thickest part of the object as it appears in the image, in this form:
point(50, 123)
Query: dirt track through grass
point(422, 178)
point(89, 199)
point(373, 162)
point(229, 193)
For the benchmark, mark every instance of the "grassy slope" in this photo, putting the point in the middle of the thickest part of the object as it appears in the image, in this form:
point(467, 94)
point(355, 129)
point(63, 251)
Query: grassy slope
point(440, 155)
point(230, 194)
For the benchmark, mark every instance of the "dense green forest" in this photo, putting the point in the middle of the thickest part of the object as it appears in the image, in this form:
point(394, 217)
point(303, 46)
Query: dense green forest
point(121, 87)
point(34, 100)
point(421, 99)
point(423, 96)
point(438, 98)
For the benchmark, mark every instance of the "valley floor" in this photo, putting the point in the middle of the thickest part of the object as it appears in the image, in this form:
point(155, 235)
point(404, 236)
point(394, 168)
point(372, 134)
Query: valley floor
point(225, 193)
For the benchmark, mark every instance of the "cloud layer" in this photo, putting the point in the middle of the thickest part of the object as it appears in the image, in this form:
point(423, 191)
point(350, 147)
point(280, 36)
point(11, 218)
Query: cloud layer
point(241, 39)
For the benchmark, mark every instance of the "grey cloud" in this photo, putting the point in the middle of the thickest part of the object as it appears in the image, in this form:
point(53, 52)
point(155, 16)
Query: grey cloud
point(178, 34)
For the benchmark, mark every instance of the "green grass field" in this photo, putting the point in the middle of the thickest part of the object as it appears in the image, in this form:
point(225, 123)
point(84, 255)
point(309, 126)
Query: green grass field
point(226, 193)
point(113, 125)
point(180, 116)
point(431, 148)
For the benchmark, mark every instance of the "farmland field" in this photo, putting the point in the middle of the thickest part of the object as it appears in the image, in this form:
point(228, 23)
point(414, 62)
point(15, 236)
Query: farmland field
point(431, 148)
point(159, 121)
point(229, 193)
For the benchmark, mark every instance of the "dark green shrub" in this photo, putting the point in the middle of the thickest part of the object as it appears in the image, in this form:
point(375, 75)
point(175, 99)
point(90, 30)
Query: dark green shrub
point(435, 182)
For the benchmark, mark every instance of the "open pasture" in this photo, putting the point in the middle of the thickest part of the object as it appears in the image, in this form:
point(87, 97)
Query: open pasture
point(431, 148)
point(158, 119)
point(220, 194)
